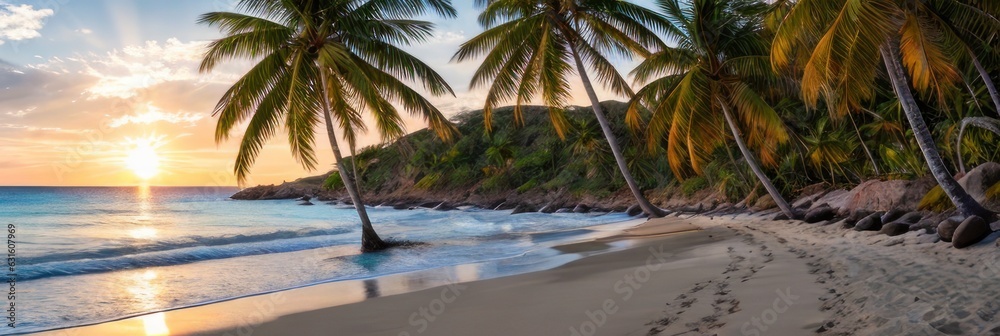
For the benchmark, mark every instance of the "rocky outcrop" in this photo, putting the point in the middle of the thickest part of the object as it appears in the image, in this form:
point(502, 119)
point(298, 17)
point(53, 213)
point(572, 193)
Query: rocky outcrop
point(977, 181)
point(270, 192)
point(878, 195)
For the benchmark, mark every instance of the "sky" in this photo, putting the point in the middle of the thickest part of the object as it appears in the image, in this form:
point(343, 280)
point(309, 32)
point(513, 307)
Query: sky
point(108, 93)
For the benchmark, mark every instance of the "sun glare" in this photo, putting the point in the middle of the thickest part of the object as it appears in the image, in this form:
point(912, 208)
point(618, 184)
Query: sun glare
point(142, 158)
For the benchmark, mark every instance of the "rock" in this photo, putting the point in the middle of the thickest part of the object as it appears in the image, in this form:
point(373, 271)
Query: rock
point(634, 210)
point(444, 206)
point(581, 208)
point(980, 179)
point(835, 199)
point(928, 239)
point(929, 225)
point(402, 206)
point(878, 195)
point(946, 229)
point(522, 208)
point(305, 203)
point(892, 215)
point(855, 216)
point(306, 198)
point(820, 214)
point(895, 229)
point(910, 218)
point(871, 223)
point(804, 203)
point(971, 231)
point(763, 203)
point(564, 210)
point(548, 208)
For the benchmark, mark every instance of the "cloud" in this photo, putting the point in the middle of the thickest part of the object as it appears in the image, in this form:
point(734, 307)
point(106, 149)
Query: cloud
point(84, 31)
point(21, 22)
point(21, 113)
point(447, 37)
point(153, 115)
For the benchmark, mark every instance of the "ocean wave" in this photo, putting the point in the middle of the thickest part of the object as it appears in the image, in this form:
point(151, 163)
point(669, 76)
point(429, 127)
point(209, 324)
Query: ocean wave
point(184, 243)
point(177, 256)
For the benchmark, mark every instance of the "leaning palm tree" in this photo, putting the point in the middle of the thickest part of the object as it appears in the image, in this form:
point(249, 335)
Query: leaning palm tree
point(531, 47)
point(710, 81)
point(846, 42)
point(329, 59)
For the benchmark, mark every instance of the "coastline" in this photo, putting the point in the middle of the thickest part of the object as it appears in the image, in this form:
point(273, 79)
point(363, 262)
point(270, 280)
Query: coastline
point(690, 262)
point(734, 274)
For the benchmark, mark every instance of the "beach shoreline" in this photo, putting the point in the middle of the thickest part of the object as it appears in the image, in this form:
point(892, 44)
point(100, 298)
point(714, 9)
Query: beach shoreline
point(689, 262)
point(736, 274)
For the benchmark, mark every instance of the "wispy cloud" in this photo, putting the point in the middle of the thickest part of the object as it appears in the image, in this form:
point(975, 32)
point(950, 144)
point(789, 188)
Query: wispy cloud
point(84, 31)
point(21, 113)
point(21, 22)
point(154, 114)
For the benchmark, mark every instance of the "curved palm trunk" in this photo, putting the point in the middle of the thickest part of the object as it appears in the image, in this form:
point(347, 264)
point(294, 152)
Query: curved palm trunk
point(771, 190)
point(864, 146)
point(370, 241)
point(647, 207)
point(965, 203)
point(986, 79)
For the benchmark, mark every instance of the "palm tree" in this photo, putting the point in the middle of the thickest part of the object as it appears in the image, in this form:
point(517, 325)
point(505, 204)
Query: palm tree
point(847, 40)
point(531, 47)
point(709, 81)
point(329, 59)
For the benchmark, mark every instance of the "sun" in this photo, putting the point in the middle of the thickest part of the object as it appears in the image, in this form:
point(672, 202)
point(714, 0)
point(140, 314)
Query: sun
point(142, 158)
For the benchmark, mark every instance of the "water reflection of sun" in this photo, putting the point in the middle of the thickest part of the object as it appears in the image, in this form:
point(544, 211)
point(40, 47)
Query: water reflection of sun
point(145, 290)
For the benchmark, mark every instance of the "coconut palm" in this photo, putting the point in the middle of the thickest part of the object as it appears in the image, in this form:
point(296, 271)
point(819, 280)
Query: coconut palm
point(531, 47)
point(709, 81)
point(329, 59)
point(847, 41)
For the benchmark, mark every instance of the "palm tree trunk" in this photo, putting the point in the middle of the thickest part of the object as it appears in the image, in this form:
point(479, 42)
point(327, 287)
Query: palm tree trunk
point(647, 207)
point(897, 75)
point(370, 241)
point(986, 79)
point(771, 190)
point(863, 145)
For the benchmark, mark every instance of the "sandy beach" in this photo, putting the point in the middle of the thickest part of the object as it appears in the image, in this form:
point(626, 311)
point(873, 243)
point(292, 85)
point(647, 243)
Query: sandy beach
point(703, 275)
point(678, 276)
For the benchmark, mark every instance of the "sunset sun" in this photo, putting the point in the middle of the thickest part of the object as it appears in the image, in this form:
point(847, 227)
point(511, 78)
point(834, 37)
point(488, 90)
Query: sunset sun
point(142, 158)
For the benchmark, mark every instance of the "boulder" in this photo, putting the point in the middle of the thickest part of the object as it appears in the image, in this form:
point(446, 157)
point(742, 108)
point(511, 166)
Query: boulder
point(820, 214)
point(929, 225)
point(871, 223)
point(946, 229)
point(564, 210)
point(878, 195)
point(306, 198)
point(892, 215)
point(835, 199)
point(523, 208)
point(444, 206)
point(971, 231)
point(581, 208)
point(980, 179)
point(763, 203)
point(549, 208)
point(855, 216)
point(305, 203)
point(895, 229)
point(634, 210)
point(910, 218)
